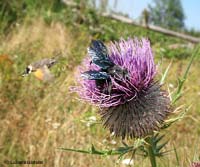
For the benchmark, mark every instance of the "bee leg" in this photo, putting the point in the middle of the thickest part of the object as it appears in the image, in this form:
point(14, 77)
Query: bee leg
point(107, 90)
point(105, 86)
point(100, 84)
point(125, 73)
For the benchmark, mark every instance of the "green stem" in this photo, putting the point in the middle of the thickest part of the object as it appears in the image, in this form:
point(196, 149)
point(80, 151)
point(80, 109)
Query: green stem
point(152, 156)
point(182, 80)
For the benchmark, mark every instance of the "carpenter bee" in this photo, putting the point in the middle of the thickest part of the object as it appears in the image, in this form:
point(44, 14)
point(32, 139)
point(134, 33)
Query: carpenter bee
point(99, 55)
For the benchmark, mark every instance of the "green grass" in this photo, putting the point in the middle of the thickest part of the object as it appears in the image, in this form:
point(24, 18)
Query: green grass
point(37, 118)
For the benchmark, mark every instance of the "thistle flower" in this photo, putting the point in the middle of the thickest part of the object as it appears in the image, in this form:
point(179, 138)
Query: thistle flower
point(195, 164)
point(135, 105)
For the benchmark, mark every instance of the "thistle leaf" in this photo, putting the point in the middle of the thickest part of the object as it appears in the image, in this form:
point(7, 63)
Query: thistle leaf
point(159, 147)
point(165, 73)
point(158, 138)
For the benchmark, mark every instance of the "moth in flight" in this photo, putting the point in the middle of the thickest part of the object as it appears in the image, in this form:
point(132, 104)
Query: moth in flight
point(41, 69)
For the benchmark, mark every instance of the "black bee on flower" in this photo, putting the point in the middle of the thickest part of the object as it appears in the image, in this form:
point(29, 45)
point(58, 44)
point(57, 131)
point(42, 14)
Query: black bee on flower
point(100, 57)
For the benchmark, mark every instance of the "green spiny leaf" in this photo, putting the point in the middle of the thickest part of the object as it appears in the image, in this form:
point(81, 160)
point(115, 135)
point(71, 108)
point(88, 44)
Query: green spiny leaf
point(76, 150)
point(158, 148)
point(165, 73)
point(170, 121)
point(158, 138)
point(181, 81)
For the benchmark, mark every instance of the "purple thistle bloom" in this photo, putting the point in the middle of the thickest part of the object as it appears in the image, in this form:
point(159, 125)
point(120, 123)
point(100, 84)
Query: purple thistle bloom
point(195, 164)
point(135, 105)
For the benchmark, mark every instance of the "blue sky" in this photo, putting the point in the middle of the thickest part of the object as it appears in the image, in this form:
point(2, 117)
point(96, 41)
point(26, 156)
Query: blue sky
point(134, 8)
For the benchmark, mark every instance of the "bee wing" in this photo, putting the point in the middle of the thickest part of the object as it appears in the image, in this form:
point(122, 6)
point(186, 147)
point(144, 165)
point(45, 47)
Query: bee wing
point(98, 50)
point(95, 75)
point(99, 54)
point(44, 74)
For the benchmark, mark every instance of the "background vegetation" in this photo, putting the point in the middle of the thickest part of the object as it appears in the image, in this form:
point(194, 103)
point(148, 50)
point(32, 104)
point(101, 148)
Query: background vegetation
point(37, 118)
point(168, 14)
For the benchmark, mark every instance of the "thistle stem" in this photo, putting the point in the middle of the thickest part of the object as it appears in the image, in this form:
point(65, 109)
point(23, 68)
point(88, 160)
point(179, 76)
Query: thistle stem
point(151, 155)
point(182, 80)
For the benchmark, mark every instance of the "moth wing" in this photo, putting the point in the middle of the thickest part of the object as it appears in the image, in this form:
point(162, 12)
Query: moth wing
point(49, 62)
point(44, 74)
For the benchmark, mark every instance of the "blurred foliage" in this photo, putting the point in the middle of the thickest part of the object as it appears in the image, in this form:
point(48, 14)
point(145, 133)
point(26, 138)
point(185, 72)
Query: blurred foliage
point(13, 11)
point(80, 14)
point(178, 53)
point(193, 32)
point(167, 13)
